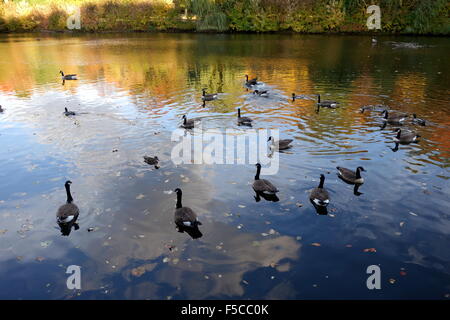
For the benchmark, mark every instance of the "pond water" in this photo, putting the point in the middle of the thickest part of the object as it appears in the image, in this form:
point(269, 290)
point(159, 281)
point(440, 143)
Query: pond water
point(131, 92)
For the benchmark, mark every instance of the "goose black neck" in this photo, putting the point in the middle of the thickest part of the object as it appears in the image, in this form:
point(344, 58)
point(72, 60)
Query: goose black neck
point(258, 171)
point(204, 92)
point(322, 180)
point(239, 113)
point(399, 132)
point(318, 98)
point(69, 196)
point(358, 173)
point(179, 205)
point(184, 121)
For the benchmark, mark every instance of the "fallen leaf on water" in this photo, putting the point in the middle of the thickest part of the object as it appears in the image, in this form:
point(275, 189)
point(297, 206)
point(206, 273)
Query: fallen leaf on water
point(316, 244)
point(241, 206)
point(137, 272)
point(40, 259)
point(140, 196)
point(298, 204)
point(3, 231)
point(413, 214)
point(402, 273)
point(348, 245)
point(402, 223)
point(391, 281)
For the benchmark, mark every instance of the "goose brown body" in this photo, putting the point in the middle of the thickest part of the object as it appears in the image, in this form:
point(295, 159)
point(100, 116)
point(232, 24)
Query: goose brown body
point(280, 144)
point(263, 185)
point(69, 211)
point(184, 216)
point(350, 176)
point(243, 120)
point(406, 137)
point(319, 196)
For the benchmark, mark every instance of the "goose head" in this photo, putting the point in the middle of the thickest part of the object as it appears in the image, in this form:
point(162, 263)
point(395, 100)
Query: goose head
point(62, 73)
point(258, 165)
point(177, 191)
point(246, 77)
point(270, 139)
point(360, 169)
point(68, 183)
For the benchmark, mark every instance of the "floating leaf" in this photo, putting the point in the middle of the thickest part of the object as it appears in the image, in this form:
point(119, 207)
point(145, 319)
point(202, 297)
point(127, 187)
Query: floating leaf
point(316, 244)
point(370, 250)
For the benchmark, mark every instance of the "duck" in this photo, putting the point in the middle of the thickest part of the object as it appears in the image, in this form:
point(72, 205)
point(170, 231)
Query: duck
point(68, 76)
point(377, 107)
point(263, 185)
point(415, 120)
point(68, 113)
point(302, 96)
point(350, 176)
point(393, 118)
point(153, 161)
point(319, 196)
point(326, 103)
point(243, 120)
point(69, 211)
point(251, 82)
point(264, 93)
point(184, 216)
point(187, 124)
point(280, 144)
point(208, 97)
point(405, 137)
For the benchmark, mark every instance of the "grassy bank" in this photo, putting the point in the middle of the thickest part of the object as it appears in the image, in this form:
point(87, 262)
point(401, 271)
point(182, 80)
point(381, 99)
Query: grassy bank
point(307, 16)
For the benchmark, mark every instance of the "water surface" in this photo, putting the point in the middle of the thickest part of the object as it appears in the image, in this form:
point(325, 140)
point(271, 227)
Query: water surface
point(131, 93)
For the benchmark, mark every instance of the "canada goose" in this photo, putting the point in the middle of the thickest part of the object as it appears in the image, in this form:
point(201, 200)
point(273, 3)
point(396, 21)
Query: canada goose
point(377, 107)
point(68, 113)
point(68, 76)
point(405, 137)
point(319, 196)
point(393, 118)
point(263, 185)
point(208, 97)
point(326, 103)
point(264, 93)
point(414, 120)
point(266, 196)
point(69, 211)
point(280, 144)
point(184, 216)
point(251, 82)
point(350, 176)
point(152, 161)
point(188, 124)
point(243, 120)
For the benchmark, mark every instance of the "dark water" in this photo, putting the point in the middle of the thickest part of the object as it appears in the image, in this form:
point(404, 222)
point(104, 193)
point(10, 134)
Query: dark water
point(131, 92)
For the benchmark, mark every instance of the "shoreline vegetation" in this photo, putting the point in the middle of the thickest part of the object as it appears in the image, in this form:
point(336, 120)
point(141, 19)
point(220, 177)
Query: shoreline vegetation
point(419, 17)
